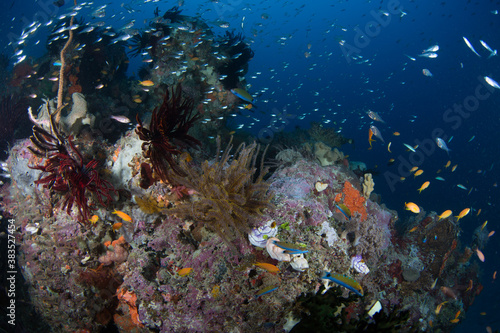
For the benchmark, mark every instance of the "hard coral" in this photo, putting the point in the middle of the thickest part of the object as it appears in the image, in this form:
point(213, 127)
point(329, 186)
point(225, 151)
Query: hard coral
point(64, 171)
point(230, 198)
point(168, 130)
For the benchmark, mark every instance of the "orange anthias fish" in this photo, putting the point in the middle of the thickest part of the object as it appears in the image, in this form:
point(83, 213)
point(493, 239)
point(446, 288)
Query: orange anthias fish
point(268, 267)
point(412, 207)
point(147, 83)
point(463, 213)
point(415, 168)
point(445, 214)
point(418, 173)
point(185, 271)
point(122, 215)
point(370, 136)
point(424, 186)
point(117, 226)
point(396, 134)
point(447, 164)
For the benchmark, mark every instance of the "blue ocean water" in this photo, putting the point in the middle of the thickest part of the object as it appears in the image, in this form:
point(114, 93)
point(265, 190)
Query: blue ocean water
point(332, 62)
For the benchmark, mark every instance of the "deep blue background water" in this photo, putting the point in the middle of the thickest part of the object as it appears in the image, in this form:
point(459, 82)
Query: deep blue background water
point(327, 86)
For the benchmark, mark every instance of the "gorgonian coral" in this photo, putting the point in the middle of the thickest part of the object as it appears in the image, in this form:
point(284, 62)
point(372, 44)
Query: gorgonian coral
point(168, 132)
point(65, 172)
point(229, 192)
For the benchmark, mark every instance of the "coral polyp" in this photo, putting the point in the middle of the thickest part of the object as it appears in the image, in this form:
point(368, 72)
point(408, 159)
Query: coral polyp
point(168, 132)
point(64, 171)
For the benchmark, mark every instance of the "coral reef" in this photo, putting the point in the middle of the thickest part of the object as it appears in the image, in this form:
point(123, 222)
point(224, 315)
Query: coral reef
point(325, 155)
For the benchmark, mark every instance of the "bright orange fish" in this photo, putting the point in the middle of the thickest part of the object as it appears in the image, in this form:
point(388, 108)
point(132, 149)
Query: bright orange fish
point(184, 271)
point(122, 215)
point(463, 213)
point(396, 134)
point(424, 186)
point(413, 229)
point(370, 136)
point(418, 173)
point(415, 168)
point(147, 83)
point(447, 164)
point(268, 267)
point(117, 226)
point(445, 214)
point(412, 207)
point(454, 168)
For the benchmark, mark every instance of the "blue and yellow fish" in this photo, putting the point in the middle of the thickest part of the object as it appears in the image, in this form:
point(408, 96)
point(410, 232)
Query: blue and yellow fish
point(344, 281)
point(266, 290)
point(290, 248)
point(344, 210)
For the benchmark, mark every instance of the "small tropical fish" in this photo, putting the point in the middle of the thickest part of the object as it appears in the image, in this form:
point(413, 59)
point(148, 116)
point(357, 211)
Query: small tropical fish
point(117, 226)
point(448, 292)
point(370, 137)
point(433, 48)
point(469, 287)
point(438, 308)
point(470, 46)
point(413, 229)
point(441, 144)
point(445, 214)
point(447, 164)
point(243, 94)
point(374, 115)
point(389, 147)
point(462, 187)
point(440, 178)
point(120, 119)
point(463, 213)
point(412, 207)
point(377, 133)
point(484, 225)
point(424, 186)
point(415, 168)
point(290, 248)
point(184, 271)
point(122, 215)
point(94, 219)
point(427, 72)
point(491, 233)
point(479, 212)
point(453, 168)
point(266, 290)
point(409, 147)
point(433, 285)
point(268, 267)
point(344, 210)
point(418, 173)
point(396, 134)
point(480, 255)
point(344, 281)
point(147, 83)
point(492, 82)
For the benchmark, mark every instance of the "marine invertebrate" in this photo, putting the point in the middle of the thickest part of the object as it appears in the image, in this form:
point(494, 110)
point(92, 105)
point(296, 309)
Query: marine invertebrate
point(65, 171)
point(359, 265)
point(299, 263)
point(353, 200)
point(229, 196)
point(259, 236)
point(368, 185)
point(168, 130)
